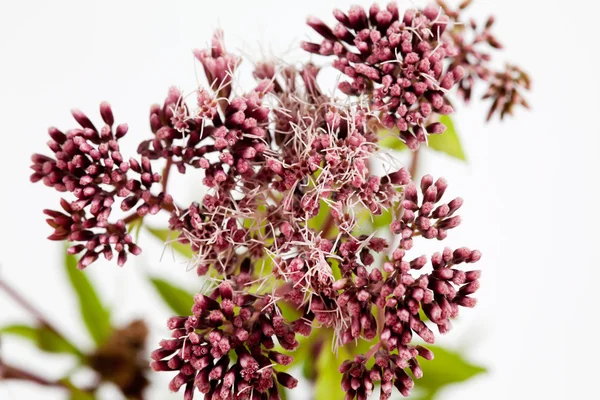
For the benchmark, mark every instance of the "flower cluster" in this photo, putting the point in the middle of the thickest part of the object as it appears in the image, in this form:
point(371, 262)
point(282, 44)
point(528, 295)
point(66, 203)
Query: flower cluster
point(505, 91)
point(473, 44)
point(225, 326)
point(407, 65)
point(291, 174)
point(424, 218)
point(398, 62)
point(88, 164)
point(401, 297)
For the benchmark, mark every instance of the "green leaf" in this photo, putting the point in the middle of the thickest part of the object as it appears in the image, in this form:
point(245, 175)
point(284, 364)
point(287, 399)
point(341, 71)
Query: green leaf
point(135, 227)
point(44, 338)
point(77, 394)
point(390, 139)
point(448, 367)
point(447, 142)
point(318, 221)
point(384, 219)
point(328, 384)
point(283, 392)
point(170, 238)
point(289, 312)
point(179, 300)
point(23, 331)
point(95, 316)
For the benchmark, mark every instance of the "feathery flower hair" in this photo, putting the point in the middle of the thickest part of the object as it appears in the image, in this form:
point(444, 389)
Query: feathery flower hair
point(291, 180)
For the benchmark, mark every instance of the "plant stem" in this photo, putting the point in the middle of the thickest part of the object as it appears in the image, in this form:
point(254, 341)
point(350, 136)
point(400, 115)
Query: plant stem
point(27, 306)
point(380, 319)
point(327, 225)
point(414, 164)
point(134, 215)
point(373, 350)
point(166, 173)
point(9, 372)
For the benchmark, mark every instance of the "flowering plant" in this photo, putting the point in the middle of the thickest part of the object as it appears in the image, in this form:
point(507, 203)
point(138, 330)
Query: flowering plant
point(308, 223)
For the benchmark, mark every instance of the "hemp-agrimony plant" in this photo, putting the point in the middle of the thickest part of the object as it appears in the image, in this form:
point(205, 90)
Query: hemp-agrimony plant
point(292, 173)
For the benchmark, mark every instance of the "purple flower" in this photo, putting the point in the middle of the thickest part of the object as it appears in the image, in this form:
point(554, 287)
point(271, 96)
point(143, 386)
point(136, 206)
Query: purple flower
point(473, 44)
point(88, 164)
point(225, 350)
point(505, 91)
point(425, 217)
point(398, 63)
point(291, 174)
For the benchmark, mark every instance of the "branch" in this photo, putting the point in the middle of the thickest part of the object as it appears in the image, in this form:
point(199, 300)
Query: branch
point(9, 372)
point(414, 164)
point(38, 315)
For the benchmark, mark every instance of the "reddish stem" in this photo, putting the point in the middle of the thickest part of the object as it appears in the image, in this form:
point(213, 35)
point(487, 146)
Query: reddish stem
point(414, 164)
point(9, 372)
point(27, 306)
point(134, 216)
point(327, 225)
point(166, 173)
point(372, 350)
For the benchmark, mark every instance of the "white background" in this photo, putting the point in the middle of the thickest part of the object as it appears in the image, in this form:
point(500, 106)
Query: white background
point(530, 184)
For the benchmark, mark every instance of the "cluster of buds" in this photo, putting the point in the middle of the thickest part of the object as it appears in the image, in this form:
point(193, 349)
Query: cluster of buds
point(358, 381)
point(401, 296)
point(88, 164)
point(473, 44)
point(398, 63)
point(423, 217)
point(227, 326)
point(407, 65)
point(505, 91)
point(290, 173)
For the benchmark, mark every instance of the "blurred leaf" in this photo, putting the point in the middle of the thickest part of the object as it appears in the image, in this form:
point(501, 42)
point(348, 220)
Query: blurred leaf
point(258, 223)
point(448, 142)
point(135, 227)
point(283, 392)
point(420, 395)
point(299, 355)
point(446, 368)
point(77, 394)
point(318, 221)
point(328, 384)
point(170, 238)
point(360, 346)
point(179, 300)
point(383, 220)
point(289, 312)
point(390, 139)
point(43, 338)
point(95, 316)
point(366, 222)
point(23, 331)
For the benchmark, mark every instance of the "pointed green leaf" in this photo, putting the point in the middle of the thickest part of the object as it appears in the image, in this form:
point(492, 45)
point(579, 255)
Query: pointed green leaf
point(179, 300)
point(170, 239)
point(95, 316)
point(43, 338)
point(446, 368)
point(447, 142)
